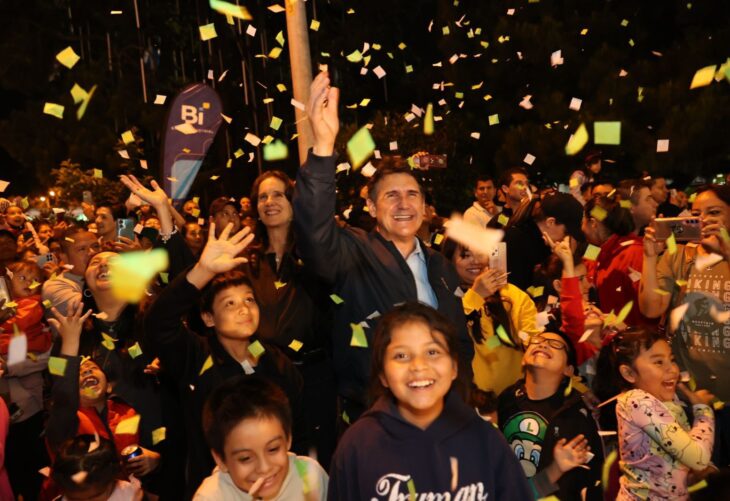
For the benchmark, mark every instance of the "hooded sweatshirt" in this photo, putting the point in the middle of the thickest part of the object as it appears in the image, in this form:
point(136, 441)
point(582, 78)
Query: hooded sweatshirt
point(459, 456)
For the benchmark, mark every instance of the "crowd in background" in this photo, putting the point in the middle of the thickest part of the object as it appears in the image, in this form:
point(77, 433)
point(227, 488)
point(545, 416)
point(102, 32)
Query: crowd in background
point(293, 349)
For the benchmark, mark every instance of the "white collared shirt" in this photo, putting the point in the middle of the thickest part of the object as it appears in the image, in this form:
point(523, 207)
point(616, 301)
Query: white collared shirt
point(417, 263)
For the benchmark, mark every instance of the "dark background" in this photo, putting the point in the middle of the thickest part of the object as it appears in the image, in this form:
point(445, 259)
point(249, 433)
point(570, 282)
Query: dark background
point(661, 47)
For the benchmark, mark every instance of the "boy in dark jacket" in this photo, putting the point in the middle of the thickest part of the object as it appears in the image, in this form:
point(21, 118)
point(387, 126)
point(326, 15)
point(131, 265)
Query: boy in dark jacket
point(549, 428)
point(229, 308)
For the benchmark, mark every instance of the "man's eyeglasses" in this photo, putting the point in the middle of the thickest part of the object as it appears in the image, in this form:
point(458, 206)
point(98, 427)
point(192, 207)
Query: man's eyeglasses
point(552, 343)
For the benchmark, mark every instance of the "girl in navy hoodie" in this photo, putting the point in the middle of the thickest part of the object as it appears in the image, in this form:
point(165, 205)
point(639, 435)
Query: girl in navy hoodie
point(420, 440)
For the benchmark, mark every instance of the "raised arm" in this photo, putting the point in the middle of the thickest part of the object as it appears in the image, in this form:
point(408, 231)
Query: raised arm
point(318, 238)
point(652, 303)
point(63, 419)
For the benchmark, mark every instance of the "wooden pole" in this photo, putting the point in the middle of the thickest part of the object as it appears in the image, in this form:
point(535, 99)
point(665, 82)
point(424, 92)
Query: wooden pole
point(301, 70)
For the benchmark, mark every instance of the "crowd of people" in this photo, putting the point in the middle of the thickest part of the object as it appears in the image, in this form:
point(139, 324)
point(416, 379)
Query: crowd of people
point(294, 350)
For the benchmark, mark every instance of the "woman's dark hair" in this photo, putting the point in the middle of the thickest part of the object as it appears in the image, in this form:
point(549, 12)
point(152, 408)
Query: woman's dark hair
point(622, 349)
point(398, 316)
point(722, 191)
point(219, 283)
point(101, 464)
point(241, 398)
point(495, 304)
point(616, 219)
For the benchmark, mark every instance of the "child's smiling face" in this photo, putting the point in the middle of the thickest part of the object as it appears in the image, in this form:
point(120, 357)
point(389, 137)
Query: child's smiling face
point(256, 452)
point(418, 370)
point(654, 371)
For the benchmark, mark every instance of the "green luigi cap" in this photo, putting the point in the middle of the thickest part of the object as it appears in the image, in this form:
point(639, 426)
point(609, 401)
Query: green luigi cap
point(525, 426)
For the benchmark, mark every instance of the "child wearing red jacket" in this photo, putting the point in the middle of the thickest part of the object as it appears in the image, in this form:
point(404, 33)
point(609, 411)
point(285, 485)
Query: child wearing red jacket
point(82, 403)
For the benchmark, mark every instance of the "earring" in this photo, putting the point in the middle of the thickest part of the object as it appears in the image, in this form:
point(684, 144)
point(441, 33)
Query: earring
point(87, 293)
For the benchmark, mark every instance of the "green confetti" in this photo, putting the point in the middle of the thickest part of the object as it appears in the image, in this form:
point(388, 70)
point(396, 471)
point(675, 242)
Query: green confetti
point(502, 219)
point(599, 213)
point(492, 342)
point(57, 366)
point(577, 141)
point(345, 417)
point(592, 252)
point(276, 123)
point(303, 472)
point(494, 119)
point(358, 340)
point(411, 490)
point(354, 57)
point(336, 299)
point(624, 312)
point(607, 132)
point(256, 349)
point(134, 350)
point(275, 151)
point(503, 336)
point(360, 147)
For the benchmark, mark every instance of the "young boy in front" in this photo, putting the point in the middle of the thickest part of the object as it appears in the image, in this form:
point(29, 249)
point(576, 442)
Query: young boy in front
point(247, 423)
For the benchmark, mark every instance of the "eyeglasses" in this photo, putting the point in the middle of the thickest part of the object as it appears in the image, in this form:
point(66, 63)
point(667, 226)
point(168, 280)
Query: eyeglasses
point(552, 343)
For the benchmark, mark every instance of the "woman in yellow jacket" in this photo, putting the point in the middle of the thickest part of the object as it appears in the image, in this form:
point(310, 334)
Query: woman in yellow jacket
point(500, 316)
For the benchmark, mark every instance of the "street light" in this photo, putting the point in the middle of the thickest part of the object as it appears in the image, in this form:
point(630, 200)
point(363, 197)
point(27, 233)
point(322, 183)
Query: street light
point(52, 193)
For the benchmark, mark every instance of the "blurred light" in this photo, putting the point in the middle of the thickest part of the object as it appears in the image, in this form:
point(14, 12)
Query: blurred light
point(52, 193)
point(43, 199)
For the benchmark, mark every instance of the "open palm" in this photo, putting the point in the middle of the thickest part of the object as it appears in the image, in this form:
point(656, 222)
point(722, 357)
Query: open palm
point(219, 254)
point(155, 197)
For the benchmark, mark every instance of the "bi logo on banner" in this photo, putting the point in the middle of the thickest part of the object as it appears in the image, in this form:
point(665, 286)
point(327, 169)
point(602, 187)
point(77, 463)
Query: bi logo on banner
point(192, 115)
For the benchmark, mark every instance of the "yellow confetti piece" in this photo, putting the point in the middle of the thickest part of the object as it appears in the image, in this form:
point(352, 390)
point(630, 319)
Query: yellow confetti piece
point(345, 417)
point(280, 38)
point(624, 312)
point(626, 204)
point(671, 244)
point(98, 173)
point(584, 31)
point(68, 57)
point(256, 349)
point(165, 277)
point(34, 285)
point(128, 426)
point(703, 77)
point(661, 292)
point(296, 345)
point(598, 212)
point(680, 282)
point(81, 111)
point(702, 484)
point(493, 119)
point(360, 147)
point(158, 435)
point(206, 365)
point(535, 291)
point(592, 252)
point(428, 124)
point(314, 25)
point(354, 57)
point(57, 366)
point(718, 405)
point(577, 141)
point(275, 52)
point(607, 133)
point(131, 273)
point(78, 93)
point(275, 123)
point(438, 239)
point(336, 299)
point(502, 219)
point(358, 339)
point(207, 32)
point(127, 137)
point(134, 350)
point(229, 9)
point(53, 109)
point(47, 304)
point(569, 388)
point(281, 87)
